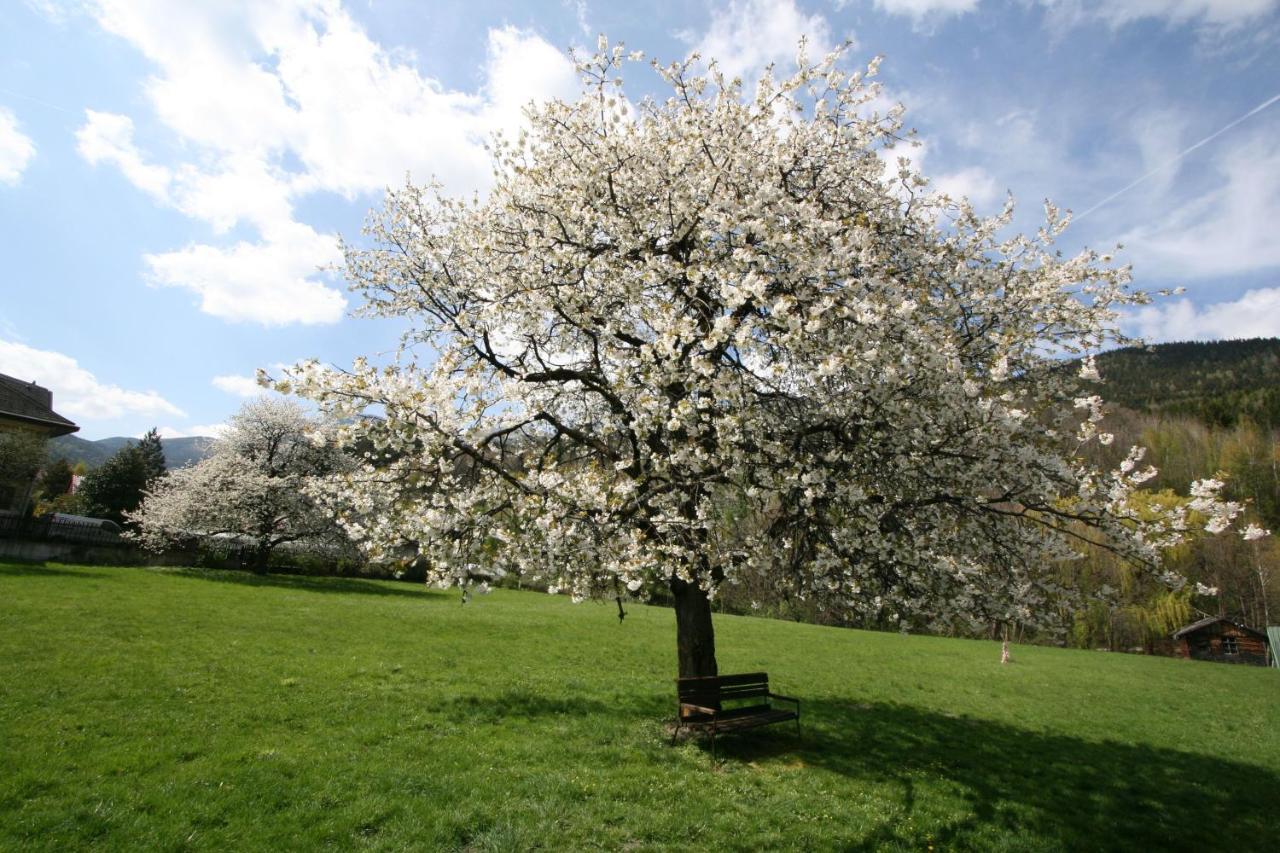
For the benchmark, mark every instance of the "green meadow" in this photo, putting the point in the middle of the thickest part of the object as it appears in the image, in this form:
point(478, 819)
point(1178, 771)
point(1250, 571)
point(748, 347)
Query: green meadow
point(183, 709)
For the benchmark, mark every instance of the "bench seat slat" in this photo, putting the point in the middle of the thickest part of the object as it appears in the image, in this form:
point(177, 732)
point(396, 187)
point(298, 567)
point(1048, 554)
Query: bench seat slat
point(702, 703)
point(754, 720)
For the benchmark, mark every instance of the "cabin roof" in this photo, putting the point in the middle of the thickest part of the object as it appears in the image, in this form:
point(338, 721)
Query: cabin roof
point(1213, 620)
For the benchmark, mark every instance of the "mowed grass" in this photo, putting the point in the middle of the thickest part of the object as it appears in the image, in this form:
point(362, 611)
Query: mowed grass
point(171, 709)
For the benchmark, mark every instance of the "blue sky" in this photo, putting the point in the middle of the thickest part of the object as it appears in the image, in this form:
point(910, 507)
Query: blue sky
point(173, 175)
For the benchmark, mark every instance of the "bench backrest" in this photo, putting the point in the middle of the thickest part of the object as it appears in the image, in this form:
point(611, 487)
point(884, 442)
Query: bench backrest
point(711, 691)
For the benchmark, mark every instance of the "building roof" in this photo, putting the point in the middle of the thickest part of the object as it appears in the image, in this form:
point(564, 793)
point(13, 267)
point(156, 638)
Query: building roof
point(33, 404)
point(1213, 620)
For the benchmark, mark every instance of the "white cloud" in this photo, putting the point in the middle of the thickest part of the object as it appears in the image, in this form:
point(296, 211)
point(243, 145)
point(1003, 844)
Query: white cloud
point(746, 35)
point(16, 148)
point(54, 11)
point(974, 183)
point(269, 282)
point(1228, 230)
point(522, 68)
point(1214, 14)
point(77, 393)
point(1159, 136)
point(1221, 12)
point(580, 9)
point(198, 431)
point(1004, 150)
point(108, 138)
point(247, 386)
point(241, 386)
point(919, 9)
point(271, 102)
point(1254, 315)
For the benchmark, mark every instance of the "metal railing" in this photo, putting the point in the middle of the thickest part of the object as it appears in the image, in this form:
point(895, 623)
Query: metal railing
point(59, 528)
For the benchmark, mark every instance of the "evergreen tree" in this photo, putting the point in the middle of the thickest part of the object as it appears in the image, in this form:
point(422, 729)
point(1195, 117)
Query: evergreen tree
point(117, 485)
point(55, 480)
point(152, 454)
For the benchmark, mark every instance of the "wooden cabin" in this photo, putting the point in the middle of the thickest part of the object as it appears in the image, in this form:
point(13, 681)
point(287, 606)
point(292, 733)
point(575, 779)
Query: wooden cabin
point(1223, 640)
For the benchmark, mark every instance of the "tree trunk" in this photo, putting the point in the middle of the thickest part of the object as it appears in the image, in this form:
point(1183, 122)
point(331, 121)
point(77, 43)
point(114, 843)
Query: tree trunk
point(262, 556)
point(695, 638)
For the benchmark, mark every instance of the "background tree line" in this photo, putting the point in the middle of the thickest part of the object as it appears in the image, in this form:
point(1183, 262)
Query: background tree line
point(1201, 409)
point(111, 490)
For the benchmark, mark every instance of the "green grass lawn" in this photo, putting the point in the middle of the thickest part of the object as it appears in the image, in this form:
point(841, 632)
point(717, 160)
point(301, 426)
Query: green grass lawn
point(172, 709)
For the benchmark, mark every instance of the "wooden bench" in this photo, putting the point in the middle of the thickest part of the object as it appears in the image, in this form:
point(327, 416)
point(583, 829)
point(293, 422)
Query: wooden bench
point(702, 704)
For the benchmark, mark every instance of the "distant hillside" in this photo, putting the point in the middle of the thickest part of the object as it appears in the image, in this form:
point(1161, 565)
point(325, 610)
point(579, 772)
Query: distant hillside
point(177, 451)
point(1217, 382)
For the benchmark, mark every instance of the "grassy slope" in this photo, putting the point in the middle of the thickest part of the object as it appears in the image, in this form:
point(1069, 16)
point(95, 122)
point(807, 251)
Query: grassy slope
point(168, 709)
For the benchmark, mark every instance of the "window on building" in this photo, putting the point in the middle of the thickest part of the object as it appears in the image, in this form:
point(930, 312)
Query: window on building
point(1229, 646)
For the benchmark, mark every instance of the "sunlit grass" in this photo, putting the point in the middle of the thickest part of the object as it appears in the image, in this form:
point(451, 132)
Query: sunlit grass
point(170, 709)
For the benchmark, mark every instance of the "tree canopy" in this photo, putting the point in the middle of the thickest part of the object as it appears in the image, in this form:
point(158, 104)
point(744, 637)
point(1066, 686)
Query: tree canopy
point(251, 485)
point(115, 488)
point(725, 332)
point(21, 455)
point(151, 448)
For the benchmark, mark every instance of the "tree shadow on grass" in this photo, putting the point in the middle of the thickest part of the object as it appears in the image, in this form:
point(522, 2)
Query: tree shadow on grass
point(309, 583)
point(40, 570)
point(1045, 789)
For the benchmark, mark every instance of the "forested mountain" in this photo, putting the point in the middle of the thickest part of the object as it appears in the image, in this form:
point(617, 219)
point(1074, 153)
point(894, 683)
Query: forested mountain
point(177, 451)
point(1217, 383)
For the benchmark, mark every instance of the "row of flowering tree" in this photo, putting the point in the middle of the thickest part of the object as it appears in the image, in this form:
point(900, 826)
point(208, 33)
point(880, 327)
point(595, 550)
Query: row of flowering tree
point(675, 320)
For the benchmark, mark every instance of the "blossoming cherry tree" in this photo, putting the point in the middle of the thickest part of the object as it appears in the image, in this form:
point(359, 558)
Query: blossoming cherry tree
point(687, 338)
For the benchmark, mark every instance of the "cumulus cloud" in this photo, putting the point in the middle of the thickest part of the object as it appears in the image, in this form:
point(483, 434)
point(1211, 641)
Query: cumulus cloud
point(270, 282)
point(974, 183)
point(746, 35)
point(108, 138)
point(971, 182)
point(1254, 315)
point(77, 393)
point(272, 102)
point(16, 148)
point(240, 386)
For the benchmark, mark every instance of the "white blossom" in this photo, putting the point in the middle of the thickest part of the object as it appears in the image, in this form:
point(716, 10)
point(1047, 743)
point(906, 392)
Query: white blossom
point(712, 338)
point(251, 487)
point(1089, 369)
point(1253, 532)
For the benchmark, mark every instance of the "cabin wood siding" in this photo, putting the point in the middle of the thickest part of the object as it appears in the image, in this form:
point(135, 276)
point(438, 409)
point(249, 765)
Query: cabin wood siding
point(1208, 643)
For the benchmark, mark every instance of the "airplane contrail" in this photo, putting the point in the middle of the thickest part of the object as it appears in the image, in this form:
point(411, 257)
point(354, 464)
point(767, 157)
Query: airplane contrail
point(1259, 108)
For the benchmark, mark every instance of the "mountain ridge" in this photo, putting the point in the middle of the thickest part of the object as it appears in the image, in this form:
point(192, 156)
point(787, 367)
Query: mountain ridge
point(1216, 382)
point(177, 451)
